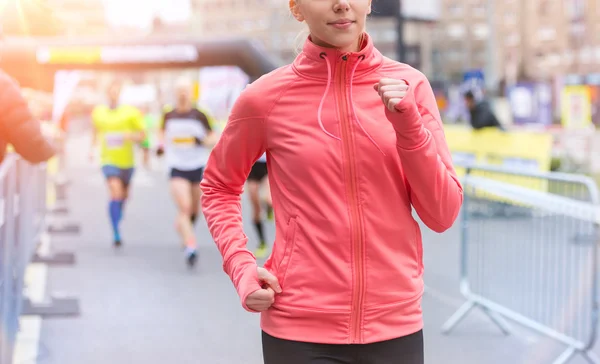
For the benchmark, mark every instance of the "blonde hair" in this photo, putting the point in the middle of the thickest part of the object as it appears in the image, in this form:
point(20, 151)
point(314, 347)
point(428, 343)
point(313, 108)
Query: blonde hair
point(300, 39)
point(301, 36)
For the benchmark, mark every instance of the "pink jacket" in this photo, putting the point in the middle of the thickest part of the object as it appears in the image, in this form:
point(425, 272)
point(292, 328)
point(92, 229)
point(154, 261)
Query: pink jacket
point(344, 174)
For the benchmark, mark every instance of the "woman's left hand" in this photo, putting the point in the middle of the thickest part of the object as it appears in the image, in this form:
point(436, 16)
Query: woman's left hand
point(402, 111)
point(392, 92)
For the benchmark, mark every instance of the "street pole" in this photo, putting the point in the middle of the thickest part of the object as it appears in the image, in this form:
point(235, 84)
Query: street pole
point(492, 49)
point(400, 49)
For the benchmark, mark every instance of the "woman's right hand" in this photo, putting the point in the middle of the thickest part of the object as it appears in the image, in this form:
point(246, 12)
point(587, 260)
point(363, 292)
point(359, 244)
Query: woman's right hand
point(262, 299)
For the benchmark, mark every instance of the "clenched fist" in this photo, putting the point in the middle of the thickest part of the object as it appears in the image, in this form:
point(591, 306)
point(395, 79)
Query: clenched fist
point(262, 299)
point(392, 92)
point(402, 111)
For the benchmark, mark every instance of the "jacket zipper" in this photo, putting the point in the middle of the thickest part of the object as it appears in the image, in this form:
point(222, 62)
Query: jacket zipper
point(355, 212)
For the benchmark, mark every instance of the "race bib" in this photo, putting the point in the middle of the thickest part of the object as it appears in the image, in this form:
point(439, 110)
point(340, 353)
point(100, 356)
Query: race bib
point(184, 141)
point(114, 140)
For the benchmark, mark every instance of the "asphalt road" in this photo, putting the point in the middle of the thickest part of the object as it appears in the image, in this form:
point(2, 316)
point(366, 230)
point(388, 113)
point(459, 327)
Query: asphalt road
point(142, 305)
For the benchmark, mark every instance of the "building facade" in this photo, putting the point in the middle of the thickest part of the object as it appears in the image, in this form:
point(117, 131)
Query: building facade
point(517, 39)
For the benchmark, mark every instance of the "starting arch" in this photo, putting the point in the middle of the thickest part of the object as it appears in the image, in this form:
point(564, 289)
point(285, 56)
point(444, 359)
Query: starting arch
point(33, 62)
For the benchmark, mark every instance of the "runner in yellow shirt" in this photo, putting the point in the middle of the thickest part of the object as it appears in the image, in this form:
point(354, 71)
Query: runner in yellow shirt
point(118, 128)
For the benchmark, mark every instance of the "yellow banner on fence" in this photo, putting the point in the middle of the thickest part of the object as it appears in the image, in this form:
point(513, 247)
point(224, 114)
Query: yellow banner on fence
point(576, 107)
point(527, 150)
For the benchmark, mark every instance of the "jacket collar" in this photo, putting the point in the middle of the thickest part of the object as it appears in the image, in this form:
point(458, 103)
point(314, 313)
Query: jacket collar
point(310, 63)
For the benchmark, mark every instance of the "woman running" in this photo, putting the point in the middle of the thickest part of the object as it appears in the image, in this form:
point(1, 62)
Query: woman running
point(354, 142)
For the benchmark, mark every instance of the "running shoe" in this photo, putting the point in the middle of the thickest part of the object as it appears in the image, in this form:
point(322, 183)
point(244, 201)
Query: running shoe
point(262, 250)
point(191, 257)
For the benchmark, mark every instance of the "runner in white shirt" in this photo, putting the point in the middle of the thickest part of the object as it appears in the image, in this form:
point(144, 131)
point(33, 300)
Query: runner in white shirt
point(184, 132)
point(256, 178)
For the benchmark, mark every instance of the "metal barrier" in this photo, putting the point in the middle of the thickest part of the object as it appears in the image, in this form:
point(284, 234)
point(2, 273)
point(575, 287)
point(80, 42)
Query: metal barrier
point(529, 253)
point(22, 212)
point(57, 202)
point(23, 208)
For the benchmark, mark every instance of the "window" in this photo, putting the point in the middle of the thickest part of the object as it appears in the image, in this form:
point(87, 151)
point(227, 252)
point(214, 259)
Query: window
point(456, 30)
point(510, 19)
point(247, 25)
point(480, 58)
point(455, 56)
point(576, 9)
point(568, 57)
point(512, 39)
point(544, 7)
point(479, 10)
point(577, 32)
point(585, 55)
point(546, 34)
point(389, 35)
point(455, 9)
point(480, 31)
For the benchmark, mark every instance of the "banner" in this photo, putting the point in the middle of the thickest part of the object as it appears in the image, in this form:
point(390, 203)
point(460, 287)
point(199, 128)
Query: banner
point(531, 103)
point(576, 105)
point(138, 95)
point(95, 55)
point(65, 83)
point(529, 151)
point(219, 87)
point(516, 149)
point(456, 109)
point(595, 104)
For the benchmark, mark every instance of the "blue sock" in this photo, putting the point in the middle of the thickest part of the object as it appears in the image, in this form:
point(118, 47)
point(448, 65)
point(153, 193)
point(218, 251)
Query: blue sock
point(115, 209)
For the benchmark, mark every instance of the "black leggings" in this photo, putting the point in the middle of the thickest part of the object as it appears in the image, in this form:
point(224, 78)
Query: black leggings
point(404, 350)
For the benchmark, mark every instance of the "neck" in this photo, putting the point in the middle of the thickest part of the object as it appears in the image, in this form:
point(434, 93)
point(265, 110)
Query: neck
point(355, 46)
point(183, 106)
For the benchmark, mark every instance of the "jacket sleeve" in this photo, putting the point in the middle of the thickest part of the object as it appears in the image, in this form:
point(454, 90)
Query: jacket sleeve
point(18, 126)
point(434, 188)
point(240, 145)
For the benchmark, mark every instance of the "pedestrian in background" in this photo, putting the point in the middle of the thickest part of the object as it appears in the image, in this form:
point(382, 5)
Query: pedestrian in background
point(481, 114)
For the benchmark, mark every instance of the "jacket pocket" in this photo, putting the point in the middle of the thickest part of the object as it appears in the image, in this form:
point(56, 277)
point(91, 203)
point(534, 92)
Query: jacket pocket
point(290, 243)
